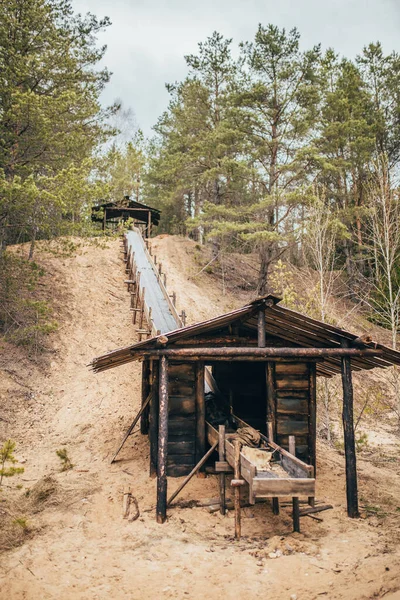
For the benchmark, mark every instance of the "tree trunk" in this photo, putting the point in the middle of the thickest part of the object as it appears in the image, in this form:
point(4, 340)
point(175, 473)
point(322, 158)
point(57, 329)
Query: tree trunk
point(33, 240)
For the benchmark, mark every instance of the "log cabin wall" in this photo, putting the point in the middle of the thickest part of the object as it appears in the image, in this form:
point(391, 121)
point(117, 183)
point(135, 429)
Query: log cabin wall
point(181, 419)
point(295, 407)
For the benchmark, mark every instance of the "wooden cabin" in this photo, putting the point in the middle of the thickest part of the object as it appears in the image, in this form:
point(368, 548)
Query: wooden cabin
point(262, 362)
point(111, 213)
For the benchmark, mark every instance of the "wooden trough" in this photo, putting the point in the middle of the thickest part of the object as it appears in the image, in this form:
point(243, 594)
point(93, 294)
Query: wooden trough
point(263, 483)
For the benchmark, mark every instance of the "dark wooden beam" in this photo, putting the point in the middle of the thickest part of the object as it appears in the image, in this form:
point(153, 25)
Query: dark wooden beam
point(349, 439)
point(146, 375)
point(200, 412)
point(153, 421)
point(243, 353)
point(161, 510)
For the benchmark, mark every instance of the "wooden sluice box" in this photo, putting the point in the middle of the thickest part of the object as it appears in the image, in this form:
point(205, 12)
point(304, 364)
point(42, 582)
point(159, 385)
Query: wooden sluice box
point(293, 478)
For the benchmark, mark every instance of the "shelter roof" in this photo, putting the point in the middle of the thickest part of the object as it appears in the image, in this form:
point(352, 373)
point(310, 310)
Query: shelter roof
point(291, 327)
point(124, 207)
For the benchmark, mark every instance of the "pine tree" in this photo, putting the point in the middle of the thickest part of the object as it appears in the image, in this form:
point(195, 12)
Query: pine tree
point(50, 116)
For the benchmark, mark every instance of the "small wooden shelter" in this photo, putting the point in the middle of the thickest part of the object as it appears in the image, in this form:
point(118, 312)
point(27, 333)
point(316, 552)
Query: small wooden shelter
point(264, 360)
point(114, 212)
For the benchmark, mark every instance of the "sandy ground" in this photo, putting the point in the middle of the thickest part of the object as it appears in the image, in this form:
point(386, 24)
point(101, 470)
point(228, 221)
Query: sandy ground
point(82, 548)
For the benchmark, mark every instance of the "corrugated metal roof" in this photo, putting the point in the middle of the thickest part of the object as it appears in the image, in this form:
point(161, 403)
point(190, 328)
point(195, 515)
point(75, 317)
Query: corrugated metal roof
point(290, 326)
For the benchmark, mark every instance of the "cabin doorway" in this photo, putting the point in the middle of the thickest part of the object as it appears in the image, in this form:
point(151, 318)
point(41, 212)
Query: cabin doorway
point(244, 384)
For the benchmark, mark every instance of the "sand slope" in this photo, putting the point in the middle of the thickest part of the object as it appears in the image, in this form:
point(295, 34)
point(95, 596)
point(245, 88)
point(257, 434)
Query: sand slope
point(83, 549)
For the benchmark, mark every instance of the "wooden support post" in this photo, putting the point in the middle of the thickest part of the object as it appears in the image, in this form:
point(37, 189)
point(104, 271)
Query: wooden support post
point(312, 422)
point(200, 411)
point(141, 314)
point(146, 376)
point(165, 280)
point(312, 416)
point(271, 403)
point(236, 474)
point(104, 219)
point(296, 514)
point(137, 278)
point(161, 510)
point(295, 500)
point(349, 440)
point(222, 480)
point(148, 232)
point(153, 425)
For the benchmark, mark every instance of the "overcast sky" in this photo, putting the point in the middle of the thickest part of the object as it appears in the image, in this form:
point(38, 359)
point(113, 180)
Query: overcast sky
point(148, 39)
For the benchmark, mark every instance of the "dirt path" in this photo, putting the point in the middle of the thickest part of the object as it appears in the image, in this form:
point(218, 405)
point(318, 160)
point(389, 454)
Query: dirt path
point(83, 549)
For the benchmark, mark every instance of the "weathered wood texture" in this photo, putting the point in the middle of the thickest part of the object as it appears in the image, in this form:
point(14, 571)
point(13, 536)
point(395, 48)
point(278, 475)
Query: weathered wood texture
point(153, 420)
point(222, 477)
point(183, 408)
point(146, 385)
point(161, 510)
point(349, 441)
point(294, 385)
point(200, 412)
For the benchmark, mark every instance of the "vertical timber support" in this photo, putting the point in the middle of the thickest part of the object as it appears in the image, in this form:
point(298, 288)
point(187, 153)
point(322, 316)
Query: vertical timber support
point(312, 415)
point(349, 441)
point(236, 498)
point(295, 499)
point(312, 423)
point(146, 384)
point(270, 389)
point(161, 510)
point(148, 231)
point(153, 425)
point(222, 479)
point(200, 412)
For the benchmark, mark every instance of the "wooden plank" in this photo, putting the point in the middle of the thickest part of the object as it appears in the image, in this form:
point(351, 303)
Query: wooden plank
point(187, 437)
point(178, 387)
point(181, 447)
point(178, 470)
point(292, 469)
point(269, 488)
point(293, 368)
point(292, 384)
point(291, 427)
point(293, 377)
point(300, 394)
point(181, 406)
point(181, 371)
point(292, 406)
point(222, 466)
point(181, 459)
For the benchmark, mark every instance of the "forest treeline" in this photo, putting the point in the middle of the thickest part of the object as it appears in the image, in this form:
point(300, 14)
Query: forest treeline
point(266, 148)
point(287, 153)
